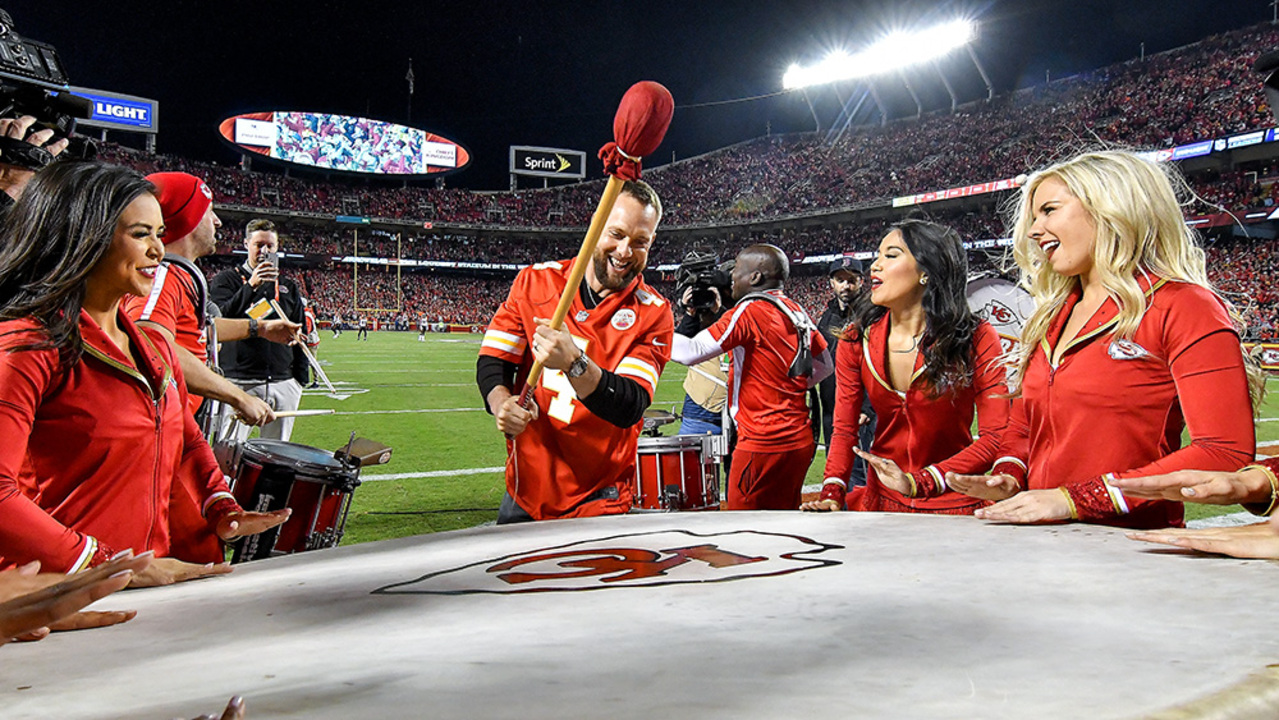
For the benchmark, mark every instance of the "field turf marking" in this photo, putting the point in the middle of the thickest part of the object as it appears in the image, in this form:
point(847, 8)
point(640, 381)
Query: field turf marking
point(434, 473)
point(408, 412)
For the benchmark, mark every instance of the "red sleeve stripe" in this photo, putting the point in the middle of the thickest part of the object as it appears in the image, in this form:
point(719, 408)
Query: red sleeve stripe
point(1014, 460)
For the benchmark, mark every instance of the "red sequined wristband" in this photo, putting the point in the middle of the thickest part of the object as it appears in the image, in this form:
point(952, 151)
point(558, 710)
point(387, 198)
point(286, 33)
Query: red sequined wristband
point(1093, 500)
point(833, 491)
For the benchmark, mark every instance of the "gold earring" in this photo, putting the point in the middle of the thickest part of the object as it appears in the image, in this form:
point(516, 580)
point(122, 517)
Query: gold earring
point(923, 279)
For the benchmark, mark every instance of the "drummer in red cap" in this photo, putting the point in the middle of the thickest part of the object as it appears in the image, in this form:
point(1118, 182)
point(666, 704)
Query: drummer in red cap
point(178, 307)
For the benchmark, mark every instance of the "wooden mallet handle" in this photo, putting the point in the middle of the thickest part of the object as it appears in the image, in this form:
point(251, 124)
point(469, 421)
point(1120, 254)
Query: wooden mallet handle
point(605, 208)
point(638, 128)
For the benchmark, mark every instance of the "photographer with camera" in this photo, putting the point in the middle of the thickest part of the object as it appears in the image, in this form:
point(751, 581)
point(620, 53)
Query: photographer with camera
point(702, 282)
point(777, 356)
point(15, 168)
point(37, 114)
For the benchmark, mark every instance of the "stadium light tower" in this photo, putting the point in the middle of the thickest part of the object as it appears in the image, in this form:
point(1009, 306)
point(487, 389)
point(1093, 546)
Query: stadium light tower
point(895, 51)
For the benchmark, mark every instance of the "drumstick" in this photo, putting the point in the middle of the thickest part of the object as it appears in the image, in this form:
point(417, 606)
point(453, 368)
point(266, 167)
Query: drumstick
point(303, 413)
point(315, 364)
point(638, 128)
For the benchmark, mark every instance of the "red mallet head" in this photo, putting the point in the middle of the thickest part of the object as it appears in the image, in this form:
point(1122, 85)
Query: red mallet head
point(638, 128)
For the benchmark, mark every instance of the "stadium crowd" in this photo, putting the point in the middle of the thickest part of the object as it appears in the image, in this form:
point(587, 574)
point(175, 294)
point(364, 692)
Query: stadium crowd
point(74, 515)
point(1202, 91)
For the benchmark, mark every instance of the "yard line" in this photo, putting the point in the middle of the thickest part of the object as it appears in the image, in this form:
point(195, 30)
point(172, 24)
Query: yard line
point(433, 474)
point(386, 385)
point(409, 412)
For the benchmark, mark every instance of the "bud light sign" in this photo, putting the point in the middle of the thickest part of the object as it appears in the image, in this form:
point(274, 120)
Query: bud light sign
point(120, 111)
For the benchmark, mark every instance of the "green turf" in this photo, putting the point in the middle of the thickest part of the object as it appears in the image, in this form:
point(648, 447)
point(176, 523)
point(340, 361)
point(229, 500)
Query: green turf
point(400, 373)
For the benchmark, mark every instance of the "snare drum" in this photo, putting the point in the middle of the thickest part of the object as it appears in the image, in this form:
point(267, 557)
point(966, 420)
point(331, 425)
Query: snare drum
point(675, 473)
point(272, 475)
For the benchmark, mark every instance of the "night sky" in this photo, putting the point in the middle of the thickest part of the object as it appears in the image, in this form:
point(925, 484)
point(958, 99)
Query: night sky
point(492, 74)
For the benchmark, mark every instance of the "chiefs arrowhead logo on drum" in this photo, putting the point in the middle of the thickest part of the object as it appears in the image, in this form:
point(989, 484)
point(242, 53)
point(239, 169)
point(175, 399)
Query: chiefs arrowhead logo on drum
point(998, 313)
point(666, 557)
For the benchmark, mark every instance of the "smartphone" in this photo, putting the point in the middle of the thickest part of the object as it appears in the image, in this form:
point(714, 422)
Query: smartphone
point(272, 257)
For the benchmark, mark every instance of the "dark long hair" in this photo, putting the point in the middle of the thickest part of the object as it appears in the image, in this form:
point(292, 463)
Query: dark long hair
point(947, 343)
point(51, 240)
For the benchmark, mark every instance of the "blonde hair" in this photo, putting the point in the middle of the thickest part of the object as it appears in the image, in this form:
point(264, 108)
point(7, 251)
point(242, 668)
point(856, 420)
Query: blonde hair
point(1140, 230)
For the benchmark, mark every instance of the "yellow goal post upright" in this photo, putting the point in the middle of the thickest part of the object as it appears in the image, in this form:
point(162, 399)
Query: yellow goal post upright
point(355, 276)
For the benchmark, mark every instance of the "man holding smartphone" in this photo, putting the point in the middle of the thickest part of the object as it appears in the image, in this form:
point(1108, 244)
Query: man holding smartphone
point(264, 369)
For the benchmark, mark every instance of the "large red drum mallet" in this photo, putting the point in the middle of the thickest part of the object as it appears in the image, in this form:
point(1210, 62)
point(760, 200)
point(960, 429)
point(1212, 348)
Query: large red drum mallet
point(638, 128)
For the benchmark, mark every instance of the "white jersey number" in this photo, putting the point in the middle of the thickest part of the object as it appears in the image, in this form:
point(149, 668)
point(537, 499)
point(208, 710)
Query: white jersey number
point(562, 404)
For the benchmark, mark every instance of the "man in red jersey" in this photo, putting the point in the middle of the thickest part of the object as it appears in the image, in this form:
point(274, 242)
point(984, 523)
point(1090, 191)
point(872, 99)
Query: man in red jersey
point(177, 305)
point(178, 308)
point(572, 452)
point(778, 354)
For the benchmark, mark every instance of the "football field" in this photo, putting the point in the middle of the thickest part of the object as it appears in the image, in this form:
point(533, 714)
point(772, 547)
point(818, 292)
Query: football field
point(446, 470)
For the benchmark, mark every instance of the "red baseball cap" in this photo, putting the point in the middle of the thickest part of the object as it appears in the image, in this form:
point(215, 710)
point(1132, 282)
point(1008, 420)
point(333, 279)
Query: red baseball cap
point(184, 199)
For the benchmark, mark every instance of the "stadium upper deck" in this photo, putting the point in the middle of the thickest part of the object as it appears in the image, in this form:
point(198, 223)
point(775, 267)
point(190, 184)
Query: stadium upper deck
point(1202, 91)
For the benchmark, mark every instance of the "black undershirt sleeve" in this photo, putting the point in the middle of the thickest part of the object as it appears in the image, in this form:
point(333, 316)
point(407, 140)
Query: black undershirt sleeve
point(491, 372)
point(618, 400)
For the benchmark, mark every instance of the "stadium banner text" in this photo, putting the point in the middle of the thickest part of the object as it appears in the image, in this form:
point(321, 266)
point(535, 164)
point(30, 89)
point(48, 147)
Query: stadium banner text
point(1181, 152)
point(1269, 355)
point(547, 162)
point(115, 111)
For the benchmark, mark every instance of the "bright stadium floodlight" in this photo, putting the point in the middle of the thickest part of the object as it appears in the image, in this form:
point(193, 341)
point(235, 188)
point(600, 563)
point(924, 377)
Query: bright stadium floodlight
point(896, 51)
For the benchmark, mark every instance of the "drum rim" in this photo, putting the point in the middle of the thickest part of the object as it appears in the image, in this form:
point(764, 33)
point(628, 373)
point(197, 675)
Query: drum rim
point(682, 442)
point(259, 449)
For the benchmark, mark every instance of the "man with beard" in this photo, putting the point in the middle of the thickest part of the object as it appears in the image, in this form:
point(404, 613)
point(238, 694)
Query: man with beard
point(572, 452)
point(845, 285)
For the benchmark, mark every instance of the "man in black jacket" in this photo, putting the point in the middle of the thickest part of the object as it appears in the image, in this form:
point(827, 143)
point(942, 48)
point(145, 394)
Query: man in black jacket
point(264, 369)
point(846, 281)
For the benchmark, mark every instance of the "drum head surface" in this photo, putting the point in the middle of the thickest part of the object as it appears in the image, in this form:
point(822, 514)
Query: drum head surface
point(1001, 303)
point(721, 615)
point(301, 457)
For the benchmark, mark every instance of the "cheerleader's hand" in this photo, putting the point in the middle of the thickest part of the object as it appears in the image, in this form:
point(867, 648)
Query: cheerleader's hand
point(1031, 506)
point(889, 473)
point(983, 487)
point(1260, 540)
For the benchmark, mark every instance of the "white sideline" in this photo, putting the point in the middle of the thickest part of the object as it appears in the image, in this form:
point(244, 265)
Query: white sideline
point(408, 412)
point(433, 473)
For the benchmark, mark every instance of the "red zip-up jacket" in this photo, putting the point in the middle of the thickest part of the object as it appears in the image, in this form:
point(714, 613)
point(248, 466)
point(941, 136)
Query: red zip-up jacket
point(1116, 408)
point(104, 441)
point(926, 436)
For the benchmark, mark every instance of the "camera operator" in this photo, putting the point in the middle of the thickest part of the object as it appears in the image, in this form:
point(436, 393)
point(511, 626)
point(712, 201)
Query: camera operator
point(15, 172)
point(704, 283)
point(777, 356)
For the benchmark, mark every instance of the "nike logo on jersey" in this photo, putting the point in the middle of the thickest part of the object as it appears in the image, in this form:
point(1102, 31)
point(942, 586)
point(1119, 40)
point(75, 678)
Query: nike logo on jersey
point(658, 343)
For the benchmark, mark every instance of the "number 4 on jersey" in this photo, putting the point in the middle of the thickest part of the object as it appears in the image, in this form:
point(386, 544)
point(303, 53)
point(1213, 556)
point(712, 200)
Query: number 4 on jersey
point(562, 404)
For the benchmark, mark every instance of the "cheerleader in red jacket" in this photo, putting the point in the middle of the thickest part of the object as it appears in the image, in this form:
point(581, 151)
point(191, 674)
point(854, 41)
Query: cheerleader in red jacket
point(1128, 346)
point(92, 407)
point(928, 365)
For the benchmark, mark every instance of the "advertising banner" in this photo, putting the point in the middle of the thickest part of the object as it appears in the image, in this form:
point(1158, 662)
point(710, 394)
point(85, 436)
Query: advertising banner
point(547, 162)
point(120, 112)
